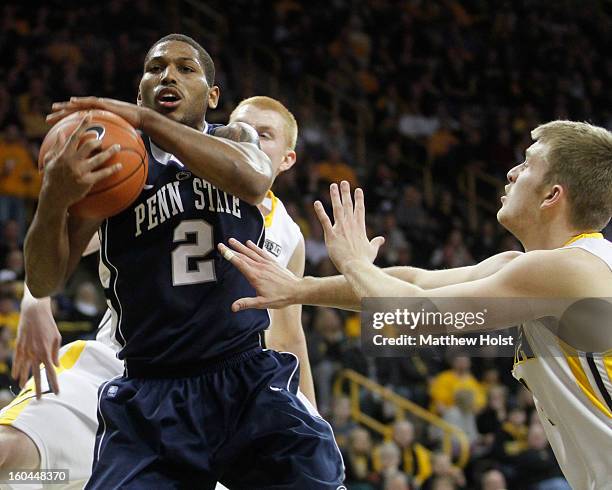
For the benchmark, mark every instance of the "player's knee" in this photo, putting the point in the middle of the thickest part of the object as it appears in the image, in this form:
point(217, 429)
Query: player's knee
point(17, 450)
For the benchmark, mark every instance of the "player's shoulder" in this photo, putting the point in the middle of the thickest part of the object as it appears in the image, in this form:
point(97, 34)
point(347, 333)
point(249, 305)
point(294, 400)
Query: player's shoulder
point(283, 214)
point(563, 271)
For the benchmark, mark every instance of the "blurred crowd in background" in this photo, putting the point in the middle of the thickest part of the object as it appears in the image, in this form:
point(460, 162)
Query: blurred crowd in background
point(450, 87)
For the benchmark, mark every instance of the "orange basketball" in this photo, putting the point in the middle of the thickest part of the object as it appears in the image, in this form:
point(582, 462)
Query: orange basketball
point(112, 195)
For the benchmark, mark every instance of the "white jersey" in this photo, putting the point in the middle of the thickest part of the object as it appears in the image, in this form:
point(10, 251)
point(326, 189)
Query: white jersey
point(63, 427)
point(282, 233)
point(572, 391)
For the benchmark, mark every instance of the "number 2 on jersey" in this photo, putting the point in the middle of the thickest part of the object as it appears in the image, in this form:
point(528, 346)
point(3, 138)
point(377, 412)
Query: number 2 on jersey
point(181, 274)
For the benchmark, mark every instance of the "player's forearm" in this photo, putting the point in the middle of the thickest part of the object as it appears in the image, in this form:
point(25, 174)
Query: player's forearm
point(46, 249)
point(240, 169)
point(336, 292)
point(368, 281)
point(426, 279)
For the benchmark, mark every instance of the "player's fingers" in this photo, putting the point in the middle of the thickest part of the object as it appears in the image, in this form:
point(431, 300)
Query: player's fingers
point(260, 251)
point(323, 218)
point(25, 372)
point(75, 137)
point(95, 177)
point(243, 263)
point(347, 200)
point(360, 208)
point(36, 376)
point(336, 203)
point(240, 247)
point(58, 144)
point(89, 145)
point(377, 242)
point(55, 353)
point(248, 303)
point(98, 160)
point(86, 101)
point(51, 374)
point(57, 148)
point(57, 115)
point(17, 360)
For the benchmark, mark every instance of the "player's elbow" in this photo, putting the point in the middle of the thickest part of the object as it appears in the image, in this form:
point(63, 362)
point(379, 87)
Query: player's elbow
point(39, 291)
point(41, 288)
point(258, 184)
point(510, 255)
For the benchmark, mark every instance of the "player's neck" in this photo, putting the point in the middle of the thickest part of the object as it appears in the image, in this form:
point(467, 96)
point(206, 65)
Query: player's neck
point(549, 236)
point(264, 210)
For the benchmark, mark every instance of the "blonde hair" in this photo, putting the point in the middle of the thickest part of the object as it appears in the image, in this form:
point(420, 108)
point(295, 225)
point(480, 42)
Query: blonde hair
point(580, 159)
point(268, 103)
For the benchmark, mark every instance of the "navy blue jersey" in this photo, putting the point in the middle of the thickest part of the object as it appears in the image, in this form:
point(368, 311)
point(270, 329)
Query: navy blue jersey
point(169, 288)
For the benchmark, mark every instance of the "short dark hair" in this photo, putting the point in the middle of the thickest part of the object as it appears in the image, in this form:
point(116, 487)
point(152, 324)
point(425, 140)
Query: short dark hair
point(205, 59)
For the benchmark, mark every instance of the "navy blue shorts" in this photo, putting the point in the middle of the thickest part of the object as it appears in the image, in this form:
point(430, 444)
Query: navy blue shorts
point(239, 422)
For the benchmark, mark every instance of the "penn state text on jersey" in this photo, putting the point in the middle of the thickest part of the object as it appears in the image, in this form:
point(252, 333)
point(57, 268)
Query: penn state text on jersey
point(170, 290)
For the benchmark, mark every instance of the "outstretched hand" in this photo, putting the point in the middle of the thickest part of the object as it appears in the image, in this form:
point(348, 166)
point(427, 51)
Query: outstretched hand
point(38, 343)
point(275, 286)
point(347, 239)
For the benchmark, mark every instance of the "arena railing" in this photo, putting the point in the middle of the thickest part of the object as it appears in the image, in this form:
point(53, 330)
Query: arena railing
point(356, 383)
point(357, 117)
point(474, 183)
point(194, 14)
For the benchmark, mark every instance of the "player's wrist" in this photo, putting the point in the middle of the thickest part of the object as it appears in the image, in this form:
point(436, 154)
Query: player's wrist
point(352, 263)
point(306, 290)
point(145, 118)
point(53, 200)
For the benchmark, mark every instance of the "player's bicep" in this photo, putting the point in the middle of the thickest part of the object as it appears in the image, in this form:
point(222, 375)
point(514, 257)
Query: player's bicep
point(526, 288)
point(297, 262)
point(286, 323)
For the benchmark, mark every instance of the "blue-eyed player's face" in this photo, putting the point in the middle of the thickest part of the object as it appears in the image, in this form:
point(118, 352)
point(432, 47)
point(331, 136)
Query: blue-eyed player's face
point(174, 84)
point(525, 194)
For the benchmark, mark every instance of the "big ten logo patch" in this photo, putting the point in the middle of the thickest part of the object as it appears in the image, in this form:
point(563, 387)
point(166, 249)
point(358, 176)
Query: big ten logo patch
point(112, 391)
point(272, 247)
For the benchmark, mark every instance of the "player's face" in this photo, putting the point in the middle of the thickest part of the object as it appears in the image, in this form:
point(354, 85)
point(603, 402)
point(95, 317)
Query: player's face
point(174, 84)
point(270, 127)
point(524, 195)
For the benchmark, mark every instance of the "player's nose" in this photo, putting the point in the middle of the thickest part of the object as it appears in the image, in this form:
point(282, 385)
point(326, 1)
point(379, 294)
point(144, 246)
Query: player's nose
point(512, 173)
point(169, 75)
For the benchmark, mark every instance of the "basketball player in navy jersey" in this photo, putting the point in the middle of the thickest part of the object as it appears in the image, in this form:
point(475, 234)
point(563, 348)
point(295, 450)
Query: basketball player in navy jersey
point(199, 401)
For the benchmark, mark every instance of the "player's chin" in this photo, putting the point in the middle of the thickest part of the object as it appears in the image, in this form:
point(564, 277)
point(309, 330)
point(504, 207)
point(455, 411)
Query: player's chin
point(502, 215)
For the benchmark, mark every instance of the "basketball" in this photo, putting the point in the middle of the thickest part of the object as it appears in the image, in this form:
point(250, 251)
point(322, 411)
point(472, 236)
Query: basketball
point(115, 193)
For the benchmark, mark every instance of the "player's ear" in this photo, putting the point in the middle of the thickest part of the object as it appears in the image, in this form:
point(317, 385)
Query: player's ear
point(139, 98)
point(288, 161)
point(213, 97)
point(553, 196)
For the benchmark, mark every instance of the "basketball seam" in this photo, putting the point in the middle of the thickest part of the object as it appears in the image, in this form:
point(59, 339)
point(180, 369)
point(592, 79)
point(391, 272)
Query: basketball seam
point(141, 164)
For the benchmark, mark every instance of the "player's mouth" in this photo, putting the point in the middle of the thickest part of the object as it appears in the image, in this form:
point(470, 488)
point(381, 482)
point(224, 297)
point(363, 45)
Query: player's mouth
point(168, 98)
point(505, 196)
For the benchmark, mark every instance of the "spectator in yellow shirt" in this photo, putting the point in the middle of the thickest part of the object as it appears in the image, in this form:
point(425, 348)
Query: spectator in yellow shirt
point(9, 315)
point(459, 377)
point(334, 169)
point(19, 177)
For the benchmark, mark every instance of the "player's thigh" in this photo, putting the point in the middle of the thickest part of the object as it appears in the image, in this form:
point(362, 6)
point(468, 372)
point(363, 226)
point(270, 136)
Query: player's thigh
point(17, 450)
point(282, 442)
